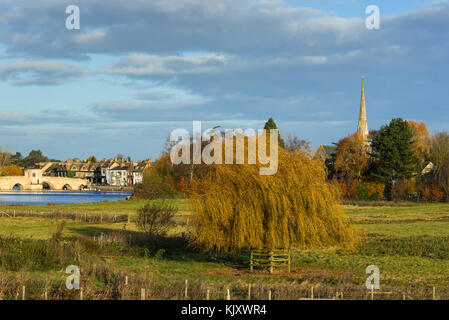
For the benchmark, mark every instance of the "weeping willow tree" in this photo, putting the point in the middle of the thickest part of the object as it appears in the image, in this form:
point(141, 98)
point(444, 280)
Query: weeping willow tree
point(234, 207)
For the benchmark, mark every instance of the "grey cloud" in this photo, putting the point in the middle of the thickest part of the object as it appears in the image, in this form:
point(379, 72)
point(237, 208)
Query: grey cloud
point(165, 27)
point(40, 72)
point(236, 60)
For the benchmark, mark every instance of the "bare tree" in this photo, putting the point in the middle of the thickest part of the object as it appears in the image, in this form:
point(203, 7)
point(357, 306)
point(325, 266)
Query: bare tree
point(295, 144)
point(5, 156)
point(439, 150)
point(443, 177)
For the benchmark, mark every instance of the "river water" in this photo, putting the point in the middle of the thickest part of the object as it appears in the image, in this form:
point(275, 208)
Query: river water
point(58, 197)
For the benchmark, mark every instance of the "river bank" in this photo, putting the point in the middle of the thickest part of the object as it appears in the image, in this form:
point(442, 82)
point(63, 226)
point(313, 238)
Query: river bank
point(129, 189)
point(59, 197)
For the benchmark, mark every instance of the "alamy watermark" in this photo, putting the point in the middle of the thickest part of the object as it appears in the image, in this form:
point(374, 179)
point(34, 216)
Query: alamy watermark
point(73, 20)
point(373, 281)
point(212, 153)
point(372, 22)
point(73, 281)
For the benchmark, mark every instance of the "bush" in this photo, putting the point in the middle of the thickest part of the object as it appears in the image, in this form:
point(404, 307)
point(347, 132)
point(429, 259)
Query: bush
point(156, 218)
point(434, 194)
point(399, 190)
point(155, 186)
point(56, 229)
point(357, 190)
point(437, 194)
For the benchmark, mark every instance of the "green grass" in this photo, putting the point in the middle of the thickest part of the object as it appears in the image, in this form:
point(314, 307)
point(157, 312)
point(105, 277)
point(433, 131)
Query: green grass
point(111, 207)
point(409, 244)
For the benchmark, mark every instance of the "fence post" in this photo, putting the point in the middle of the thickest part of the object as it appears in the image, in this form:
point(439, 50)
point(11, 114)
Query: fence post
point(126, 280)
point(186, 290)
point(289, 267)
point(311, 293)
point(23, 292)
point(228, 296)
point(269, 294)
point(45, 295)
point(81, 294)
point(249, 291)
point(372, 292)
point(207, 294)
point(251, 261)
point(271, 261)
point(142, 294)
point(433, 293)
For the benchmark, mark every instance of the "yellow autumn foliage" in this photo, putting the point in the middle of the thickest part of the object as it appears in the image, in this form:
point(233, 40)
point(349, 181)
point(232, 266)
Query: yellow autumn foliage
point(234, 207)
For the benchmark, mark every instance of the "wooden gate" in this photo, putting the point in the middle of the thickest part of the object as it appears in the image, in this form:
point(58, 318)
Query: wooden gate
point(263, 258)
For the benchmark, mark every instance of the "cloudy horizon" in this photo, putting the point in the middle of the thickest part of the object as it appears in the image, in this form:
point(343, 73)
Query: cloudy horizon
point(136, 70)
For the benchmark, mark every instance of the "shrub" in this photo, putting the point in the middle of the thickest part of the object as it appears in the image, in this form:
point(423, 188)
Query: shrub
point(436, 194)
point(155, 186)
point(57, 229)
point(399, 190)
point(156, 218)
point(70, 174)
point(375, 190)
point(425, 194)
point(357, 190)
point(433, 194)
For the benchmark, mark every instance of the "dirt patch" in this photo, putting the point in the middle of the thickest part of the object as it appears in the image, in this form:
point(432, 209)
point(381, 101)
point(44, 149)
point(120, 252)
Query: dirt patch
point(310, 274)
point(398, 221)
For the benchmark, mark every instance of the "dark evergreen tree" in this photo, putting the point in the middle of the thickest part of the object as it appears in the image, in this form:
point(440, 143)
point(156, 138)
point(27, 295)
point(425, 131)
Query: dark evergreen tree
point(269, 125)
point(392, 150)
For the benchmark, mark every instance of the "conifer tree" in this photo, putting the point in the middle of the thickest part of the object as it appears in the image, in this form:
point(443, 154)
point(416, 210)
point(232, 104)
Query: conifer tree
point(271, 125)
point(392, 149)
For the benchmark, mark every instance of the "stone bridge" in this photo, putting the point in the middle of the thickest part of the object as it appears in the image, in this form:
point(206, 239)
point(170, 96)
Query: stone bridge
point(34, 180)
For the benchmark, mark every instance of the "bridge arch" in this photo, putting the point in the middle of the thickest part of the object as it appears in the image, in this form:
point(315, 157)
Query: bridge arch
point(47, 186)
point(67, 187)
point(17, 186)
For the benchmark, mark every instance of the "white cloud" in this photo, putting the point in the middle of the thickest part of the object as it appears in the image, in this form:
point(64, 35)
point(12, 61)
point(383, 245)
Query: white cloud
point(146, 64)
point(90, 37)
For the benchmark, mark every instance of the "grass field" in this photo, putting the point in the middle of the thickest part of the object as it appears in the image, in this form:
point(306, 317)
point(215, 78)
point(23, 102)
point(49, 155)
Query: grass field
point(106, 207)
point(409, 243)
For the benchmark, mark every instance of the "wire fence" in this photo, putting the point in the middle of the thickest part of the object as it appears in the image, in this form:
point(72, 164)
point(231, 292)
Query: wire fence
point(128, 289)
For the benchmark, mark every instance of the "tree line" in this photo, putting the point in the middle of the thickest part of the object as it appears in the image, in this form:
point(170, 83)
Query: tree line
point(400, 161)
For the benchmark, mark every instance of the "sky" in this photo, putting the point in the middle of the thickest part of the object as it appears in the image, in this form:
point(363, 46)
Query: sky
point(137, 69)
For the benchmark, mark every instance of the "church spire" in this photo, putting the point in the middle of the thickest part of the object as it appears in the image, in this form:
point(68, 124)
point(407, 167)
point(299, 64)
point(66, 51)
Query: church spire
point(362, 127)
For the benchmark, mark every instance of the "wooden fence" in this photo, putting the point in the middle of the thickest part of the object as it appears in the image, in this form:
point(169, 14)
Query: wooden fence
point(269, 259)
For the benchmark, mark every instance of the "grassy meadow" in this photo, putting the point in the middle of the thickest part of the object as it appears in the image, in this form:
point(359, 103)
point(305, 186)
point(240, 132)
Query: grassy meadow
point(409, 243)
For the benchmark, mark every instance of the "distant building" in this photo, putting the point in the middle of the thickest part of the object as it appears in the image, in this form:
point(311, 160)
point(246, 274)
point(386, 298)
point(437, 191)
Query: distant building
point(119, 176)
point(428, 168)
point(325, 153)
point(362, 126)
point(137, 177)
point(115, 172)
